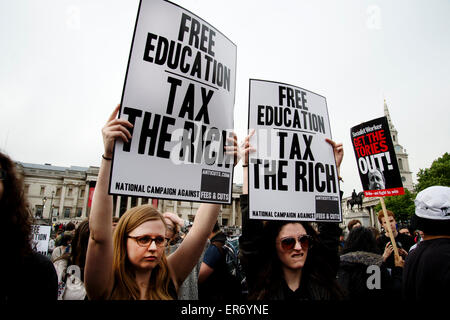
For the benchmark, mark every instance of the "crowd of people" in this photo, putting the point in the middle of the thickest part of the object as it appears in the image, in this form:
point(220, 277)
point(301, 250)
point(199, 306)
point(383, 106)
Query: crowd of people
point(147, 254)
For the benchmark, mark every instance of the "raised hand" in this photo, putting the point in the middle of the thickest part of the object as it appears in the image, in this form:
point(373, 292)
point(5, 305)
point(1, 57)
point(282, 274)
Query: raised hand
point(338, 150)
point(246, 148)
point(113, 129)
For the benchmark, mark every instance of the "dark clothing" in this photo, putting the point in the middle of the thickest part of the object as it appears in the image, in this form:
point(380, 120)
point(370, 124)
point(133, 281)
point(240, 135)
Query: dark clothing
point(254, 259)
point(172, 290)
point(308, 290)
point(354, 273)
point(220, 285)
point(33, 279)
point(212, 257)
point(403, 241)
point(427, 271)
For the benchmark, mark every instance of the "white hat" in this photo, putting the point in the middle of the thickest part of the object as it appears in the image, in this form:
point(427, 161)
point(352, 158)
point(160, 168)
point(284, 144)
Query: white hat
point(433, 203)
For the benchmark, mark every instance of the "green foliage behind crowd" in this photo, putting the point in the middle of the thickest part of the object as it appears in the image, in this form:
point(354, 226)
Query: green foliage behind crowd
point(437, 175)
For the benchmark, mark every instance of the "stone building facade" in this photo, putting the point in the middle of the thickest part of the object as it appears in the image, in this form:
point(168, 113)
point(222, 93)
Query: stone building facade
point(62, 194)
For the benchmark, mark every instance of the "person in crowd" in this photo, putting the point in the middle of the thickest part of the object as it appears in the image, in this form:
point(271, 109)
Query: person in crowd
point(215, 282)
point(376, 232)
point(289, 260)
point(79, 246)
point(189, 289)
point(63, 249)
point(427, 268)
point(404, 242)
point(341, 243)
point(61, 260)
point(417, 239)
point(72, 286)
point(69, 229)
point(51, 245)
point(27, 275)
point(353, 224)
point(357, 262)
point(404, 230)
point(132, 264)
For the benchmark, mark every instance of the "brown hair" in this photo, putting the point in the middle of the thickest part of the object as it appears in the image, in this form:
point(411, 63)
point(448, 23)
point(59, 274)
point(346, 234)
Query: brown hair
point(16, 217)
point(352, 223)
point(125, 286)
point(381, 215)
point(80, 244)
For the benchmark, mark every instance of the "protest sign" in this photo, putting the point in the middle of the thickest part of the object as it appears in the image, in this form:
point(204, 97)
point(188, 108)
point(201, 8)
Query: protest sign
point(376, 160)
point(40, 236)
point(292, 174)
point(179, 95)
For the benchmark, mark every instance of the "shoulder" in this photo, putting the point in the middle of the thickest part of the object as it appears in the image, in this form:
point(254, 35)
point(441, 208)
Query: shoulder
point(212, 256)
point(38, 260)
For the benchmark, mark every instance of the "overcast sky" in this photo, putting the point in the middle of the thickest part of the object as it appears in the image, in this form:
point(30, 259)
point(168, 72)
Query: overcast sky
point(63, 65)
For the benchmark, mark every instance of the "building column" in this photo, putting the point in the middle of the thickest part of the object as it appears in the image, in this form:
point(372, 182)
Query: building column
point(86, 200)
point(139, 202)
point(128, 203)
point(76, 190)
point(61, 202)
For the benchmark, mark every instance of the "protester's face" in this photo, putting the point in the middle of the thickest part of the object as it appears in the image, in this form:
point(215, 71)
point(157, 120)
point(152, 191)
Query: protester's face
point(391, 221)
point(294, 258)
point(404, 231)
point(356, 225)
point(146, 257)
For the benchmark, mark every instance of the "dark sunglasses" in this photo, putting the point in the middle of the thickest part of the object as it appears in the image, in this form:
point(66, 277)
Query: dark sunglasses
point(289, 243)
point(2, 174)
point(146, 241)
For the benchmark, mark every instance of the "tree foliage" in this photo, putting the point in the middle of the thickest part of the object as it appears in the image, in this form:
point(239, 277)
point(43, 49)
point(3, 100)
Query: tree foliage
point(437, 175)
point(402, 206)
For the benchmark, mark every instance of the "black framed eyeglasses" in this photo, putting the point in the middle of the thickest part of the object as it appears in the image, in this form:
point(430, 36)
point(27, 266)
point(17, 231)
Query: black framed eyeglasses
point(2, 174)
point(289, 243)
point(146, 241)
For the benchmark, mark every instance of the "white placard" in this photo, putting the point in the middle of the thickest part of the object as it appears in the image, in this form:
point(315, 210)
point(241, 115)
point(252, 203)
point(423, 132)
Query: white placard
point(292, 174)
point(40, 236)
point(179, 94)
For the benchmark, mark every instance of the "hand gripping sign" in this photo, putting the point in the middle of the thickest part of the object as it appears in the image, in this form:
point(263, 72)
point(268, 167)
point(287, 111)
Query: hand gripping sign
point(377, 163)
point(292, 174)
point(179, 95)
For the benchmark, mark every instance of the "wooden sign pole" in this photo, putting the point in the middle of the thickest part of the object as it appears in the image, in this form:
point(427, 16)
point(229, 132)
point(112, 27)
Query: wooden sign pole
point(388, 226)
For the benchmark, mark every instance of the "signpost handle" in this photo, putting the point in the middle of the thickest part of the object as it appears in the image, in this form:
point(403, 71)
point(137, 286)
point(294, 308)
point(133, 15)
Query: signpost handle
point(388, 226)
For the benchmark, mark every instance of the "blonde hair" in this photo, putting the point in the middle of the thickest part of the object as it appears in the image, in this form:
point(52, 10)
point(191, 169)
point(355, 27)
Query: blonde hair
point(125, 286)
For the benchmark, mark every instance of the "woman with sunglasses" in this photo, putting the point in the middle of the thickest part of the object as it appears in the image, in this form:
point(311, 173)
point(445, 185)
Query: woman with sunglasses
point(132, 264)
point(288, 260)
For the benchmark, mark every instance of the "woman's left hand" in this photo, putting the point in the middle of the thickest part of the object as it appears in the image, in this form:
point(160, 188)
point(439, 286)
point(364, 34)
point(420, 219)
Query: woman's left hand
point(338, 150)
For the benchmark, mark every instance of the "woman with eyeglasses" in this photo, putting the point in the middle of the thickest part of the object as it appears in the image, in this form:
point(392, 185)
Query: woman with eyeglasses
point(288, 260)
point(27, 275)
point(132, 263)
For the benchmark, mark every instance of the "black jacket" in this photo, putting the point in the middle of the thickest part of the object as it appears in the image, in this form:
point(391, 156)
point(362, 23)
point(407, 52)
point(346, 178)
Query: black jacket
point(32, 279)
point(427, 271)
point(363, 276)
